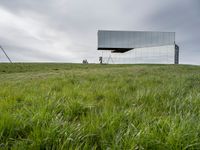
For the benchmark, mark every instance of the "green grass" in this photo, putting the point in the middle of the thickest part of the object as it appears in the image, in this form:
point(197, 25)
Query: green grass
point(75, 106)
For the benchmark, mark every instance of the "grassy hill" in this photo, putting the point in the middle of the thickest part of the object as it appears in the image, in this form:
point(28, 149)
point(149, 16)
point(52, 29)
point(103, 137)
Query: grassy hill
point(75, 106)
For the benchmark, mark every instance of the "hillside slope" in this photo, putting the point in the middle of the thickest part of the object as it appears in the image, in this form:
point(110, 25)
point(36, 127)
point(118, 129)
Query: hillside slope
point(63, 106)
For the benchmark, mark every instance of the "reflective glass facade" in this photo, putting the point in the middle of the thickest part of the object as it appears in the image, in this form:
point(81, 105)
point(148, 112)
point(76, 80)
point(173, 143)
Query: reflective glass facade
point(138, 46)
point(108, 40)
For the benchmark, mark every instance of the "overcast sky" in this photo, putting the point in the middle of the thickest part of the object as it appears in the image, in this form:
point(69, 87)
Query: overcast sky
point(66, 30)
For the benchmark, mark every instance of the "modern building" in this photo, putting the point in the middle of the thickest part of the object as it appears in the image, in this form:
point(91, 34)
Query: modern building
point(124, 41)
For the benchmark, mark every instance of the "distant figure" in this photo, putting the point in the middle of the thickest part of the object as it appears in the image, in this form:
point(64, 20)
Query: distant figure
point(101, 60)
point(85, 61)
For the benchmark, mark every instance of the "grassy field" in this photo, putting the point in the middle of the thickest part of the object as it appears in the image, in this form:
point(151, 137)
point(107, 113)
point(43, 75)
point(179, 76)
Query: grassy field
point(75, 106)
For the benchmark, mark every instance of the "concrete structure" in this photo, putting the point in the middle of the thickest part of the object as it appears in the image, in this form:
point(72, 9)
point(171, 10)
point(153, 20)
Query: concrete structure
point(123, 41)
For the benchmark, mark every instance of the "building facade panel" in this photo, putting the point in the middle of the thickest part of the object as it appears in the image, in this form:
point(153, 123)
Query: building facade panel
point(133, 39)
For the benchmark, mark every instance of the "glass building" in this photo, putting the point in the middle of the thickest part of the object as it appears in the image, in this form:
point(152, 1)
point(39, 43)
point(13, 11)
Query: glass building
point(138, 47)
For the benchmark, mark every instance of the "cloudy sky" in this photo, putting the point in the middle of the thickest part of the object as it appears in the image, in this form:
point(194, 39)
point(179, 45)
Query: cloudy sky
point(66, 30)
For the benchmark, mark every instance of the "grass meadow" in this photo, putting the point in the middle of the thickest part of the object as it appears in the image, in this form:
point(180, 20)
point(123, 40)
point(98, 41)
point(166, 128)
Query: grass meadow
point(75, 106)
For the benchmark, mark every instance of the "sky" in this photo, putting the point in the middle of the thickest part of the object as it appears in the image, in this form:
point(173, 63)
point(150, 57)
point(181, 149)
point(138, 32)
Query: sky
point(66, 30)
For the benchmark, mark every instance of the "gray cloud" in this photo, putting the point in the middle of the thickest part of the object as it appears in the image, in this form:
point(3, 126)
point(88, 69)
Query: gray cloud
point(65, 30)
